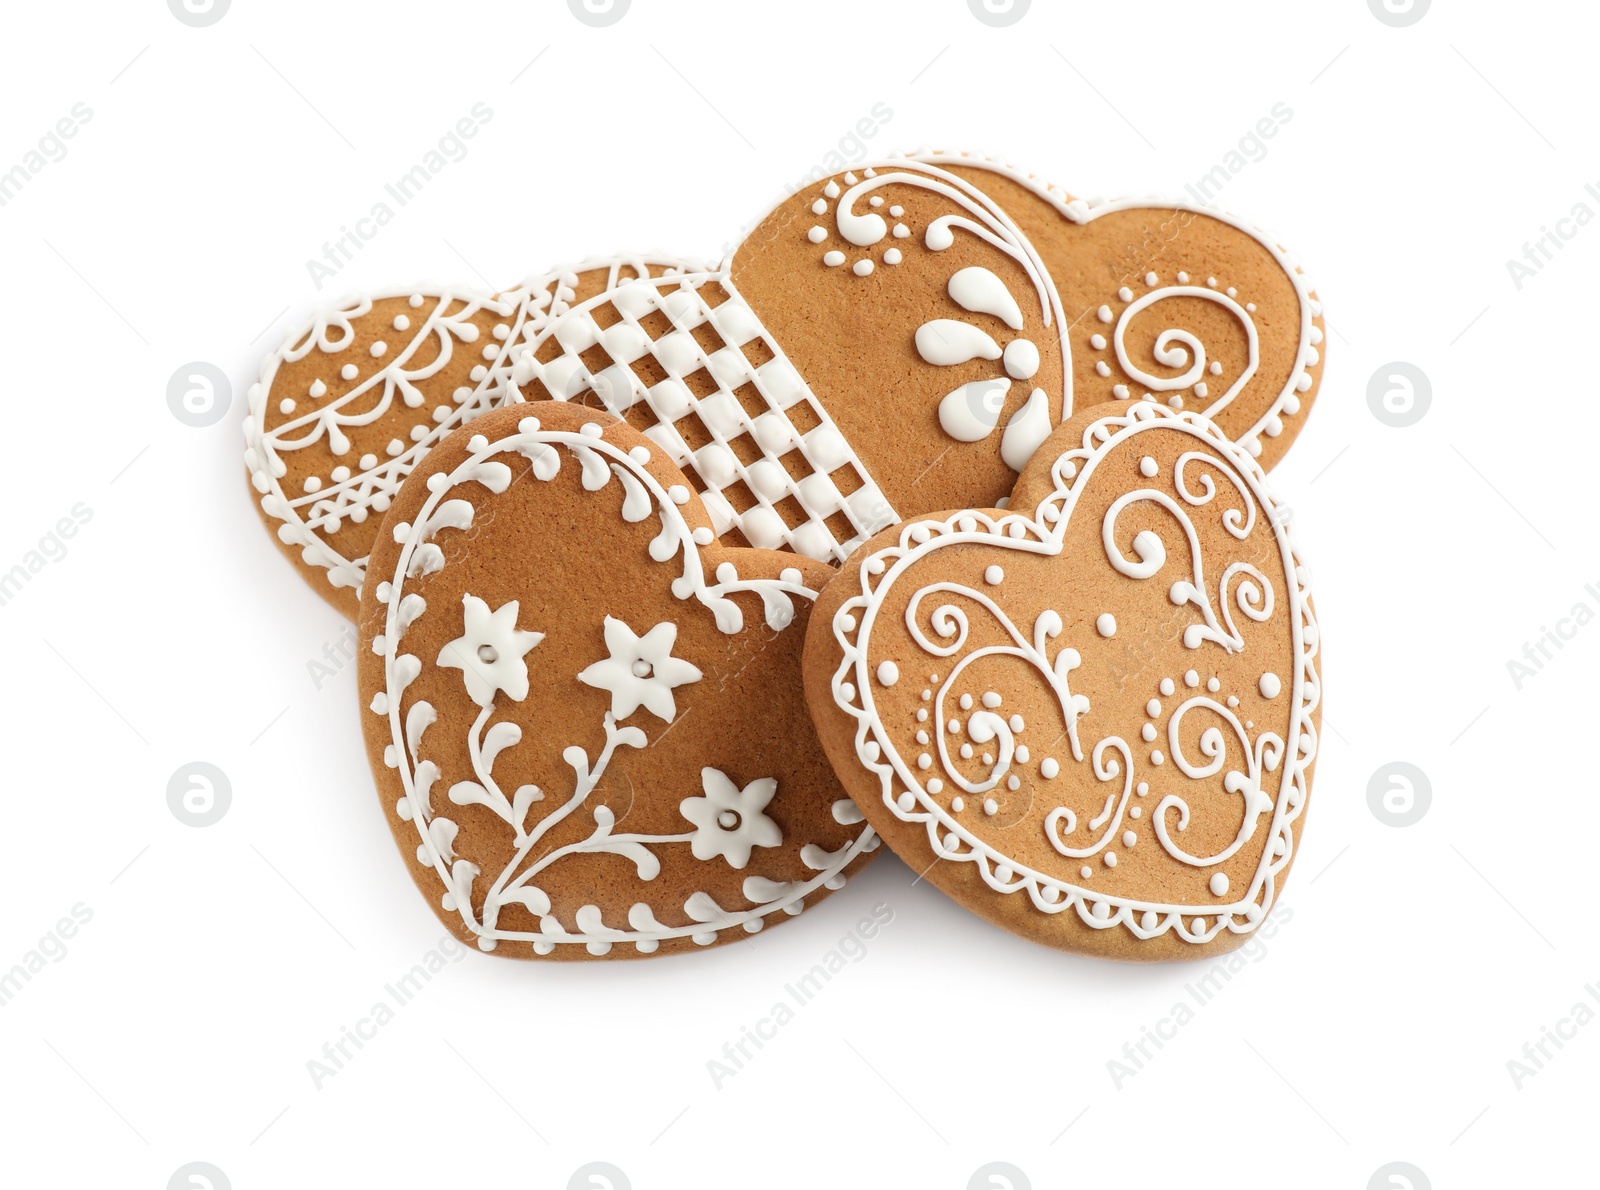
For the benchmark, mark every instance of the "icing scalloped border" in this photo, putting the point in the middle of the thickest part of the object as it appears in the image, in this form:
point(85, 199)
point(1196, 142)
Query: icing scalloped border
point(851, 687)
point(417, 556)
point(526, 315)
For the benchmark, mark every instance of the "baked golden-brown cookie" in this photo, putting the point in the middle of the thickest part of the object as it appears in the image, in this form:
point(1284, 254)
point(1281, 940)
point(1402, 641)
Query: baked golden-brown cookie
point(1090, 717)
point(350, 402)
point(585, 714)
point(899, 338)
point(1178, 298)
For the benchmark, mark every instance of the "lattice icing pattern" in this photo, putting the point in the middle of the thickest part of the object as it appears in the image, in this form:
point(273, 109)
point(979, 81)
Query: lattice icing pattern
point(689, 363)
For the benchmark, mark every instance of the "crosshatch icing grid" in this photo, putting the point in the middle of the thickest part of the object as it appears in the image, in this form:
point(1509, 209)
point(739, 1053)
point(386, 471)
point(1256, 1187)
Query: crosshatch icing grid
point(686, 360)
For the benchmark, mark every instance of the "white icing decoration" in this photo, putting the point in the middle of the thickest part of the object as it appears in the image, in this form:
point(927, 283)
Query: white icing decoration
point(945, 342)
point(640, 673)
point(490, 652)
point(1234, 760)
point(981, 291)
point(728, 820)
point(641, 670)
point(306, 521)
point(1021, 359)
point(976, 289)
point(1083, 213)
point(1028, 427)
point(1179, 348)
point(969, 413)
point(722, 413)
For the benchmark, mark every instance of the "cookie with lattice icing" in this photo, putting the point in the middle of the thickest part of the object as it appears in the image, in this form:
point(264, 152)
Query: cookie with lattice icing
point(348, 405)
point(584, 712)
point(1090, 717)
point(899, 338)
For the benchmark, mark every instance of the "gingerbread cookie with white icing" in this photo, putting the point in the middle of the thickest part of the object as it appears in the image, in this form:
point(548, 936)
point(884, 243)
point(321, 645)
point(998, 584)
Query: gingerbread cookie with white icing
point(584, 713)
point(1181, 300)
point(1090, 717)
point(901, 337)
point(348, 405)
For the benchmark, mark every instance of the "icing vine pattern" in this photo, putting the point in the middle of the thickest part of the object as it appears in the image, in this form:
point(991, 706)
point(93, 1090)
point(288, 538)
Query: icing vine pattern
point(931, 783)
point(723, 823)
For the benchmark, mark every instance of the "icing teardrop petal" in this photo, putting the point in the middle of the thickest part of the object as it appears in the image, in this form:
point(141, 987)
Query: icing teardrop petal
point(981, 291)
point(970, 413)
point(946, 341)
point(1028, 427)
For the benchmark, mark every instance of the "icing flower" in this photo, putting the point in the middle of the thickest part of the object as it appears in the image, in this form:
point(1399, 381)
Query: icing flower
point(490, 652)
point(728, 820)
point(641, 671)
point(969, 413)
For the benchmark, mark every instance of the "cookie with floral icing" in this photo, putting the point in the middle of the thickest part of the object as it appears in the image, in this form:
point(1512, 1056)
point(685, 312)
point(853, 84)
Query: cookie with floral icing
point(1183, 301)
point(585, 713)
point(1091, 717)
point(900, 338)
point(350, 402)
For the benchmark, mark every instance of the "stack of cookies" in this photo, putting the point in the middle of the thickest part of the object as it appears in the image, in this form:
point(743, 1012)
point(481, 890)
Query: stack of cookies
point(936, 516)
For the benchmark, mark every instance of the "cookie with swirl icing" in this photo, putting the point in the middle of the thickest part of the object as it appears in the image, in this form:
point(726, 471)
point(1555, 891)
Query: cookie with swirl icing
point(1180, 301)
point(1090, 717)
point(345, 409)
point(899, 338)
point(584, 713)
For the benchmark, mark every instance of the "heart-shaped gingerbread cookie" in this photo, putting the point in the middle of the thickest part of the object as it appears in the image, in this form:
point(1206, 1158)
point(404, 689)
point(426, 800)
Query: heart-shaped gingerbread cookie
point(350, 402)
point(1177, 298)
point(585, 715)
point(1090, 718)
point(900, 338)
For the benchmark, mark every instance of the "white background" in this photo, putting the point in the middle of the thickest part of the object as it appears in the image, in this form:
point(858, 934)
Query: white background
point(1417, 961)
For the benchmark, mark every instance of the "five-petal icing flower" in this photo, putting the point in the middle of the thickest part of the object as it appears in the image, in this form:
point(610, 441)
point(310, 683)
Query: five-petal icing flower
point(728, 820)
point(641, 670)
point(490, 652)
